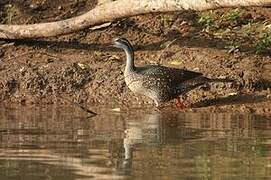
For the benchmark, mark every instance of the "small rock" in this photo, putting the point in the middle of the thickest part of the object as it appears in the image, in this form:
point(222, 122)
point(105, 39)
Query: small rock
point(49, 60)
point(233, 94)
point(34, 6)
point(83, 66)
point(116, 109)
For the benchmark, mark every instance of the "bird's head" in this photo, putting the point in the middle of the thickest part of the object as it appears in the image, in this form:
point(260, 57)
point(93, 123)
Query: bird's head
point(123, 43)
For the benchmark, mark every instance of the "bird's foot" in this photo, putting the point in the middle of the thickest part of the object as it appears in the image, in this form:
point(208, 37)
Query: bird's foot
point(159, 107)
point(179, 104)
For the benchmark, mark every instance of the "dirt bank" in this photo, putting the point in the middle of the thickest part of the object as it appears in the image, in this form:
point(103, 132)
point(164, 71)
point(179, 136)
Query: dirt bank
point(82, 68)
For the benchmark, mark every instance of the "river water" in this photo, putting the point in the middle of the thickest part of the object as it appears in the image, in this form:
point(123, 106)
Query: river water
point(41, 143)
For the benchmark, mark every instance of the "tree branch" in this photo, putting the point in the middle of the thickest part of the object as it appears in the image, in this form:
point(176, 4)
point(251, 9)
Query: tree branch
point(116, 10)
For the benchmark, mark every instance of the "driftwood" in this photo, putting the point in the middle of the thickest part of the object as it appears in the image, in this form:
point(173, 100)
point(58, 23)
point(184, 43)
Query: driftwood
point(117, 10)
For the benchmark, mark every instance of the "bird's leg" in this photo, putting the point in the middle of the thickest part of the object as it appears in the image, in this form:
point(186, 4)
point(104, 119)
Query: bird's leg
point(179, 104)
point(158, 105)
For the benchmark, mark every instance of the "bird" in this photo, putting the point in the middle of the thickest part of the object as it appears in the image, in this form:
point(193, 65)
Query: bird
point(160, 83)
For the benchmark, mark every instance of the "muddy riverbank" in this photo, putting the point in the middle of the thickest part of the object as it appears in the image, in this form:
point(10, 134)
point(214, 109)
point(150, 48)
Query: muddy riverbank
point(82, 68)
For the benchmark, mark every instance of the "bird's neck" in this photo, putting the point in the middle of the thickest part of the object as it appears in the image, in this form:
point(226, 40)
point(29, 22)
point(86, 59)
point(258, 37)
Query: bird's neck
point(129, 60)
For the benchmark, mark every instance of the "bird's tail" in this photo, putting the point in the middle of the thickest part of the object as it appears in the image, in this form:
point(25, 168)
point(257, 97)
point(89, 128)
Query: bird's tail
point(199, 81)
point(204, 80)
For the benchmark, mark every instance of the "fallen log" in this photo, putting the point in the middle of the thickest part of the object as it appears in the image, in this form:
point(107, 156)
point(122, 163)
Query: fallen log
point(116, 10)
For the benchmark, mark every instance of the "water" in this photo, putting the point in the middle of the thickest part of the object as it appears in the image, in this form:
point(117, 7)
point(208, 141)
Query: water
point(61, 143)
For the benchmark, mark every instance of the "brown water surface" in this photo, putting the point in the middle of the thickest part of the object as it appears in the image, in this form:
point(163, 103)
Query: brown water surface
point(62, 143)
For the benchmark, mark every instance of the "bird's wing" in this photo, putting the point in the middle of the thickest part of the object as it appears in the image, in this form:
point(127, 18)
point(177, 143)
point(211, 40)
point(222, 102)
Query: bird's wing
point(162, 72)
point(161, 77)
point(185, 75)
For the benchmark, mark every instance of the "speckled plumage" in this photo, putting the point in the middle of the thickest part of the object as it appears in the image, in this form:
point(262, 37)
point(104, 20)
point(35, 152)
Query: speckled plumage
point(157, 82)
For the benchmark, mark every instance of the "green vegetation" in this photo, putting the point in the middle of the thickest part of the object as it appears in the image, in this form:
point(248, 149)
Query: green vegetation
point(264, 41)
point(263, 44)
point(206, 20)
point(238, 25)
point(233, 17)
point(10, 13)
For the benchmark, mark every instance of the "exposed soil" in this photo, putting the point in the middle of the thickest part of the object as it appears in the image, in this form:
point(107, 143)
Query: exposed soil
point(82, 68)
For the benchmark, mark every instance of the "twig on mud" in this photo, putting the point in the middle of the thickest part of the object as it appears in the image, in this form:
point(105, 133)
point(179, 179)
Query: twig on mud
point(5, 44)
point(92, 113)
point(20, 55)
point(50, 55)
point(166, 45)
point(33, 52)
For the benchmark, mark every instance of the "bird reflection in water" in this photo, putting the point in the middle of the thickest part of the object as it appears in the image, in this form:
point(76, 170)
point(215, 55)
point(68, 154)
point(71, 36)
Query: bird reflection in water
point(142, 143)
